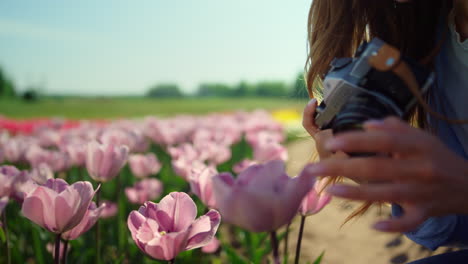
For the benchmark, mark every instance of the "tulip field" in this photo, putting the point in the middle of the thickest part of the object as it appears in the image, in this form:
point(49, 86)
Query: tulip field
point(208, 188)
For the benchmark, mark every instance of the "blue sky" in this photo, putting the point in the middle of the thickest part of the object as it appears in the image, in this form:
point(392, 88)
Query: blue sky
point(105, 47)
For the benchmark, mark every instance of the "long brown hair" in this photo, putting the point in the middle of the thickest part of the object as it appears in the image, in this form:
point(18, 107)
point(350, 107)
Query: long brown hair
point(337, 27)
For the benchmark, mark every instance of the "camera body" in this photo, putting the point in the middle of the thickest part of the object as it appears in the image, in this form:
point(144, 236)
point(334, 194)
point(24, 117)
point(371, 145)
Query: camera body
point(356, 90)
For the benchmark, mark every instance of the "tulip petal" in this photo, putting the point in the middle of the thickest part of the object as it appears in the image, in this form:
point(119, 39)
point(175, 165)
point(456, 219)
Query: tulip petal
point(58, 185)
point(134, 222)
point(203, 230)
point(148, 231)
point(85, 192)
point(66, 204)
point(176, 212)
point(94, 158)
point(89, 219)
point(171, 244)
point(33, 210)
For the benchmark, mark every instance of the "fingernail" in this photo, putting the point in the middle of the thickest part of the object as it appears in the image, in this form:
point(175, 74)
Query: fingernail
point(374, 123)
point(337, 190)
point(334, 144)
point(315, 169)
point(312, 101)
point(381, 226)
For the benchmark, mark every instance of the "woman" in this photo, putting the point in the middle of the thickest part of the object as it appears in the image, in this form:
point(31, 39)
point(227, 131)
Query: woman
point(426, 174)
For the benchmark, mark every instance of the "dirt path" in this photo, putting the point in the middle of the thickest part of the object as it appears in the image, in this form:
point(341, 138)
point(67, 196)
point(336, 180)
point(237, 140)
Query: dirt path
point(356, 242)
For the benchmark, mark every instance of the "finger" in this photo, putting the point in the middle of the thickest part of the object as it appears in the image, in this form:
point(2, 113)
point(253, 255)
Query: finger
point(407, 222)
point(320, 138)
point(377, 141)
point(392, 124)
point(308, 117)
point(379, 192)
point(373, 169)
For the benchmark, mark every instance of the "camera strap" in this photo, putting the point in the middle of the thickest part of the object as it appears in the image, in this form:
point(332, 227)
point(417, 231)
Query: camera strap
point(388, 58)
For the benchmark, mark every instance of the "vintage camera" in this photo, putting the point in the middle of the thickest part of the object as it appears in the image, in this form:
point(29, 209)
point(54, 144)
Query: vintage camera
point(378, 82)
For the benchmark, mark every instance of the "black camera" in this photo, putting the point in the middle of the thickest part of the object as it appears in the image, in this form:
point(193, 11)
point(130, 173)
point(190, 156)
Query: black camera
point(378, 82)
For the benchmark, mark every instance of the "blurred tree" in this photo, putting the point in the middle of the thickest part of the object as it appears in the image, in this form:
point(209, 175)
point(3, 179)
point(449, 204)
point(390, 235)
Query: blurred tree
point(243, 89)
point(299, 88)
point(7, 88)
point(31, 94)
point(165, 91)
point(271, 89)
point(214, 90)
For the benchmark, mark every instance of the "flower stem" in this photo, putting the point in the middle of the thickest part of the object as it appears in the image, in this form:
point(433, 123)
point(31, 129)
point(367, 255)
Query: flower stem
point(57, 249)
point(65, 249)
point(274, 246)
point(7, 238)
point(286, 240)
point(172, 261)
point(98, 229)
point(121, 229)
point(299, 240)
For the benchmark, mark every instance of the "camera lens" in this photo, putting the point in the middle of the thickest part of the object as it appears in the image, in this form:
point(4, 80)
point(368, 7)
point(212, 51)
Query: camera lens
point(359, 109)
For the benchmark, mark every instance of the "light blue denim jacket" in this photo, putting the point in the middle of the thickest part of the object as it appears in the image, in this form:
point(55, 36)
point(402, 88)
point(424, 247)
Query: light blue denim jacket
point(449, 97)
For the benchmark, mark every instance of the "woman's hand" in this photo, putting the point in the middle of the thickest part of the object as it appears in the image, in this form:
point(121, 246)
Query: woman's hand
point(416, 170)
point(319, 136)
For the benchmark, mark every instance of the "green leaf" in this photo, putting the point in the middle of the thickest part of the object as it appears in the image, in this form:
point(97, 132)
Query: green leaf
point(2, 235)
point(233, 256)
point(319, 259)
point(38, 245)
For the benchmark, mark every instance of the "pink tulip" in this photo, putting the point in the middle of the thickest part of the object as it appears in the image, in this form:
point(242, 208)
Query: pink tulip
point(213, 153)
point(57, 206)
point(185, 150)
point(110, 209)
point(117, 137)
point(165, 229)
point(77, 153)
point(15, 149)
point(268, 151)
point(211, 247)
point(262, 197)
point(90, 218)
point(8, 177)
point(183, 167)
point(105, 161)
point(201, 184)
point(163, 132)
point(14, 183)
point(145, 190)
point(241, 166)
point(315, 199)
point(57, 161)
point(144, 165)
point(41, 174)
point(255, 138)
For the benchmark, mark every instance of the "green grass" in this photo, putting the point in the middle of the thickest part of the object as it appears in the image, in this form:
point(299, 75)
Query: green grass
point(91, 108)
